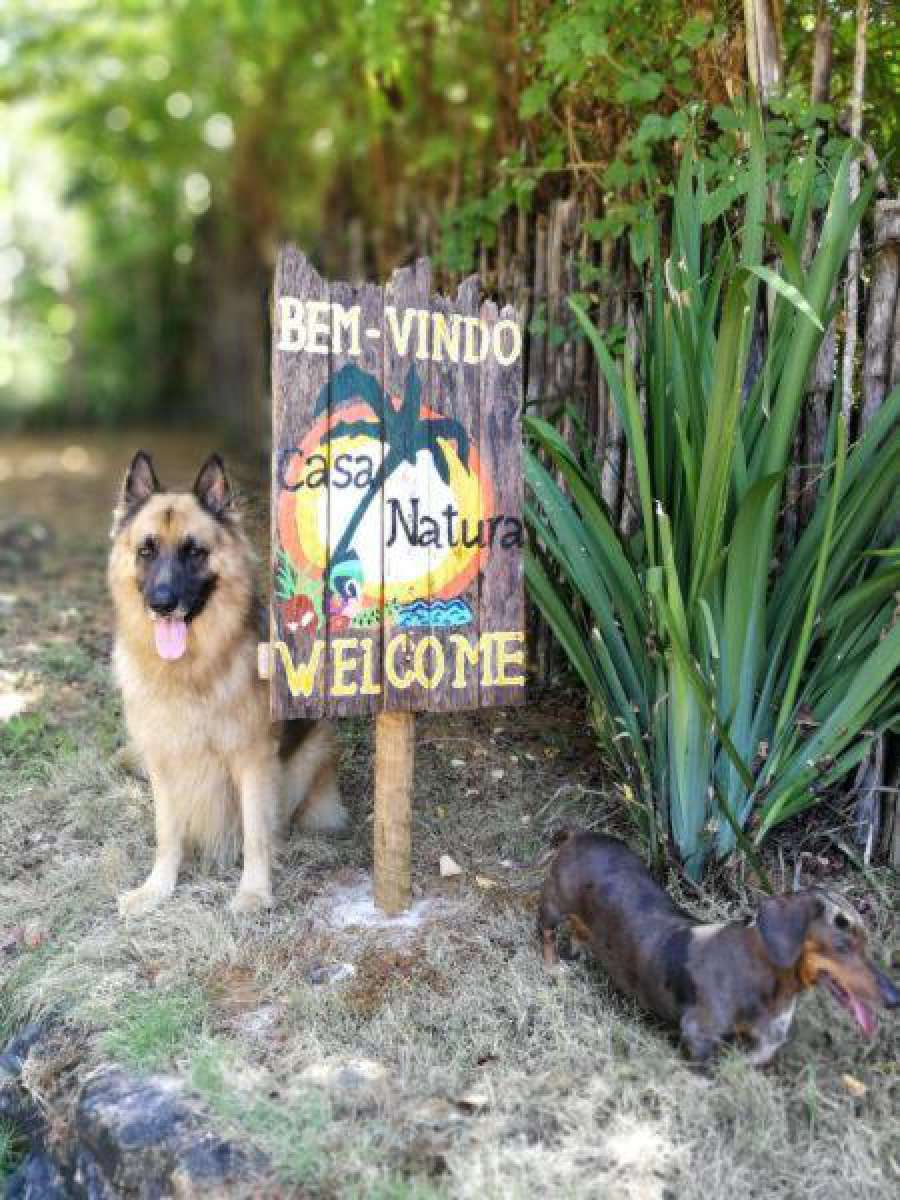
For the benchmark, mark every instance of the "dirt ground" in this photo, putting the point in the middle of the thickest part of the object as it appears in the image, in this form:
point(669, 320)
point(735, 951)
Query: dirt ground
point(429, 1058)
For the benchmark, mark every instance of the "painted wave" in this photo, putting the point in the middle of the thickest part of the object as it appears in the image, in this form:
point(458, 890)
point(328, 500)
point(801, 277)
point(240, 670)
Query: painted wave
point(433, 613)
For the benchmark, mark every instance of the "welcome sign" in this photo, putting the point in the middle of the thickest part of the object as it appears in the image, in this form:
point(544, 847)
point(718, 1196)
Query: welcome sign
point(397, 525)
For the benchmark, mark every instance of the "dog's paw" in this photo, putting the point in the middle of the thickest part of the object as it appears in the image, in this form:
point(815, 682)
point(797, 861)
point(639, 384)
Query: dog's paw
point(248, 900)
point(141, 900)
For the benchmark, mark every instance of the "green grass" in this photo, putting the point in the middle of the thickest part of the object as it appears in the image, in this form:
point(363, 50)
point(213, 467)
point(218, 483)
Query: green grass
point(399, 1189)
point(295, 1129)
point(150, 1030)
point(291, 1130)
point(31, 746)
point(12, 1150)
point(64, 661)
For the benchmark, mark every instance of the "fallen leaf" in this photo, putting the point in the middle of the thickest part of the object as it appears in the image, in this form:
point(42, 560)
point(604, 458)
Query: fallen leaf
point(853, 1085)
point(486, 883)
point(474, 1101)
point(449, 867)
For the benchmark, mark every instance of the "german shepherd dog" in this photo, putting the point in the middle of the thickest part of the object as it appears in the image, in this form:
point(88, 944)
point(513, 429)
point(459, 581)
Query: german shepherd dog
point(181, 574)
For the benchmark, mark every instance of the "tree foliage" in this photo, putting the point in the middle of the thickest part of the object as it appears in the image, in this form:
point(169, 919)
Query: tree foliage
point(156, 153)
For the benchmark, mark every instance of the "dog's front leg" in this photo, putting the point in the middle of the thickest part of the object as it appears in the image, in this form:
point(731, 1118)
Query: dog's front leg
point(161, 881)
point(258, 787)
point(769, 1036)
point(699, 1037)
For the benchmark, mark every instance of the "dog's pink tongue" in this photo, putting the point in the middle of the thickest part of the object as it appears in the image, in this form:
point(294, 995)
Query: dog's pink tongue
point(171, 637)
point(863, 1015)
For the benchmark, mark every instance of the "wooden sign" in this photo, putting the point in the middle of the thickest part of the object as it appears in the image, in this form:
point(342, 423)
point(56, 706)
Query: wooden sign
point(397, 524)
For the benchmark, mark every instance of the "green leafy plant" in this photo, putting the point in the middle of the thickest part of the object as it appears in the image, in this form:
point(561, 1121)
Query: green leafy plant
point(12, 1149)
point(743, 677)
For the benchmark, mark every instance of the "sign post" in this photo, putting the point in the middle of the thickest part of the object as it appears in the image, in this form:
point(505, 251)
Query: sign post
point(397, 524)
point(394, 762)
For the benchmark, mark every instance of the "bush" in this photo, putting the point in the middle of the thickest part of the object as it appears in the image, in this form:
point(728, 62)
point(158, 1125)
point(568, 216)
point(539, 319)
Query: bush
point(739, 686)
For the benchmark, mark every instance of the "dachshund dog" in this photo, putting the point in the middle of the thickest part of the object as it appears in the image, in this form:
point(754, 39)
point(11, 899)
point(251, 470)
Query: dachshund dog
point(716, 982)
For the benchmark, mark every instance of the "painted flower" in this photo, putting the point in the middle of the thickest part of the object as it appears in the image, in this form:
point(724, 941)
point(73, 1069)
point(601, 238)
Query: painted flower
point(298, 612)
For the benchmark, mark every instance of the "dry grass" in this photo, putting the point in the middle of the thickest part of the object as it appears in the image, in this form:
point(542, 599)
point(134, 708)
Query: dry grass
point(446, 1063)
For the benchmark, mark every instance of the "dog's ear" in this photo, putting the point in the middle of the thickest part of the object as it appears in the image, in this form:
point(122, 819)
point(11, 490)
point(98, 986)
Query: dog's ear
point(211, 487)
point(783, 921)
point(140, 480)
point(139, 484)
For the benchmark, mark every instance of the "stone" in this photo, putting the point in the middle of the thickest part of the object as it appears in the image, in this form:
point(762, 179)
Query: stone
point(143, 1136)
point(346, 1074)
point(330, 973)
point(115, 1134)
point(37, 1178)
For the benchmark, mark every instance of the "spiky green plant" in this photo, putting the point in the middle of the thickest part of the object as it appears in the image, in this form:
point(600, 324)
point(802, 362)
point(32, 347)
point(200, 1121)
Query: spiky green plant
point(743, 677)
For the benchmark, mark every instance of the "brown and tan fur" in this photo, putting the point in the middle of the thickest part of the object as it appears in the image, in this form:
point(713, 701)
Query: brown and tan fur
point(716, 982)
point(220, 770)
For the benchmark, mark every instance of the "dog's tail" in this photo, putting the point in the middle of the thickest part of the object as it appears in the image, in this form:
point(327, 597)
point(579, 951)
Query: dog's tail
point(310, 792)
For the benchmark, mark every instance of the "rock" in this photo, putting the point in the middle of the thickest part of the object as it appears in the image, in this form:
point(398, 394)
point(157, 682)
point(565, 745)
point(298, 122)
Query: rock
point(355, 1085)
point(449, 867)
point(345, 1074)
point(261, 1023)
point(17, 1050)
point(330, 973)
point(114, 1134)
point(131, 1127)
point(37, 1178)
point(88, 1178)
point(201, 1168)
point(143, 1135)
point(17, 1107)
point(436, 1111)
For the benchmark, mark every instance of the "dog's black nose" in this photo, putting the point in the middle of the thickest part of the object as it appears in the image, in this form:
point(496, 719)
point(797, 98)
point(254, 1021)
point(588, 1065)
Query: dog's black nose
point(162, 599)
point(890, 996)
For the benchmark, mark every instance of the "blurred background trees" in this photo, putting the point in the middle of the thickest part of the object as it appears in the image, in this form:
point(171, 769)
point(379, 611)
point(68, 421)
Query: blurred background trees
point(153, 154)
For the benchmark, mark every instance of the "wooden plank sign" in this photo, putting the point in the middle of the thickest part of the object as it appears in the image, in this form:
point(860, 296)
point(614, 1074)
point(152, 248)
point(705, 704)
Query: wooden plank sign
point(397, 524)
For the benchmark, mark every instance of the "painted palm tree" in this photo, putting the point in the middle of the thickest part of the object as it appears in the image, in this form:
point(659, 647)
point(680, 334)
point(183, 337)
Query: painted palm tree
point(401, 428)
